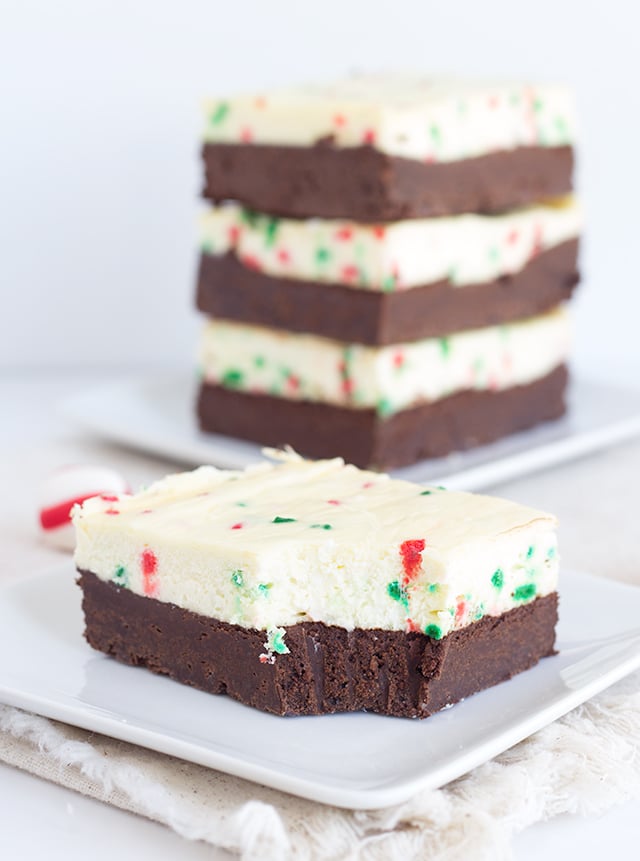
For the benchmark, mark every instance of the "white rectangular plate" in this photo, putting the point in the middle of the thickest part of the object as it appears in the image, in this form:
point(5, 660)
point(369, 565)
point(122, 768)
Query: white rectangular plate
point(350, 760)
point(158, 416)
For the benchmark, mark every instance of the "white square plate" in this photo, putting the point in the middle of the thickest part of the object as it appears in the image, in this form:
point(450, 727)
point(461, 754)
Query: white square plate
point(158, 416)
point(350, 760)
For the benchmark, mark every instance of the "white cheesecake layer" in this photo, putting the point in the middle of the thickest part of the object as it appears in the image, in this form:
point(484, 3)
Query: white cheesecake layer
point(403, 115)
point(320, 541)
point(464, 249)
point(308, 367)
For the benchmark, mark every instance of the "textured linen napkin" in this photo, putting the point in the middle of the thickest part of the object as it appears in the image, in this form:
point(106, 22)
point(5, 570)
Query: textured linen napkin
point(583, 763)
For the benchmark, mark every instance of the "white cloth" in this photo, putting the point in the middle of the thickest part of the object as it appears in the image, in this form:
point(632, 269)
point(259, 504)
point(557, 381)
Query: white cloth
point(584, 762)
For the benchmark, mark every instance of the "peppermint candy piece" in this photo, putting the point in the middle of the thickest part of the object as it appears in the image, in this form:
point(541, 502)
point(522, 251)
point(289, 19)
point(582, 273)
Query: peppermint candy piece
point(69, 486)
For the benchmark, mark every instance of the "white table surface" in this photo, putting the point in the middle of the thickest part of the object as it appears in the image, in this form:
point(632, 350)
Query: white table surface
point(40, 819)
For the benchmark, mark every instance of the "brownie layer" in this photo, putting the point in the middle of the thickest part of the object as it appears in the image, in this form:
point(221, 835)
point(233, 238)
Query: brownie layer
point(364, 184)
point(229, 290)
point(361, 437)
point(327, 669)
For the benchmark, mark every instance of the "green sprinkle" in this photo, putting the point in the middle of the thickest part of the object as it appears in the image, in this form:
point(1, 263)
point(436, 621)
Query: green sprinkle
point(120, 576)
point(259, 361)
point(389, 283)
point(494, 254)
point(232, 378)
point(531, 550)
point(551, 552)
point(398, 593)
point(498, 578)
point(445, 346)
point(525, 592)
point(271, 231)
point(220, 113)
point(433, 631)
point(433, 587)
point(207, 246)
point(479, 612)
point(275, 641)
point(538, 105)
point(426, 492)
point(385, 407)
point(436, 136)
point(241, 504)
point(452, 274)
point(441, 487)
point(249, 217)
point(321, 526)
point(278, 519)
point(323, 255)
point(237, 578)
point(263, 588)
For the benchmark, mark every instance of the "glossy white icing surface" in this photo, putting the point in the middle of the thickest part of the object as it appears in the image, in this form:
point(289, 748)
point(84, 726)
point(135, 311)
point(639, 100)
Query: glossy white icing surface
point(308, 367)
point(463, 249)
point(404, 115)
point(299, 540)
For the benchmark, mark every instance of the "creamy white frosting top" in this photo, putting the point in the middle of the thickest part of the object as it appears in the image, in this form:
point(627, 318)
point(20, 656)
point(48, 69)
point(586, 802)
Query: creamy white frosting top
point(301, 540)
point(309, 367)
point(464, 249)
point(400, 114)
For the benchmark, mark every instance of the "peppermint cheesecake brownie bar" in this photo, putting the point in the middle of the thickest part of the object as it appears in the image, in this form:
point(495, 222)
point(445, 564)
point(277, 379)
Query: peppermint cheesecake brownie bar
point(384, 283)
point(387, 147)
point(313, 587)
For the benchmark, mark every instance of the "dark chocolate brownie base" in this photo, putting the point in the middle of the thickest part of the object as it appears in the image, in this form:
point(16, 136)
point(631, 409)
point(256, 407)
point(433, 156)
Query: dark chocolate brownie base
point(229, 290)
point(328, 669)
point(360, 436)
point(364, 184)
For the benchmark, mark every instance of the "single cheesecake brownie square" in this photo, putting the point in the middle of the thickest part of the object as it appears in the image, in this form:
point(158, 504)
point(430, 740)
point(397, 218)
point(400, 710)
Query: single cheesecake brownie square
point(385, 406)
point(382, 284)
point(313, 587)
point(385, 147)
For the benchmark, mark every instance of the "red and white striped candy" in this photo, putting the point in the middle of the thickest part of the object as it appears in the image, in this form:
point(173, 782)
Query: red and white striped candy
point(67, 487)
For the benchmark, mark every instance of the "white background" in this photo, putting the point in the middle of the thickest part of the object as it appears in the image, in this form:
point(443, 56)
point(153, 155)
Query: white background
point(99, 171)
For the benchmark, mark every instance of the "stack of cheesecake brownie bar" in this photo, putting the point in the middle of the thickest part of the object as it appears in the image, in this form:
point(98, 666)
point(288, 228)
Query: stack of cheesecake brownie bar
point(385, 265)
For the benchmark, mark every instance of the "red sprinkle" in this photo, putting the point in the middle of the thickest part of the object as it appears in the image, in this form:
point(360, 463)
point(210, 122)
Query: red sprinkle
point(260, 102)
point(339, 120)
point(111, 511)
point(344, 234)
point(237, 526)
point(246, 135)
point(349, 272)
point(108, 497)
point(493, 102)
point(411, 552)
point(293, 382)
point(379, 232)
point(412, 626)
point(234, 234)
point(347, 386)
point(251, 262)
point(149, 565)
point(461, 609)
point(283, 255)
point(367, 485)
point(334, 501)
point(369, 136)
point(512, 237)
point(398, 359)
